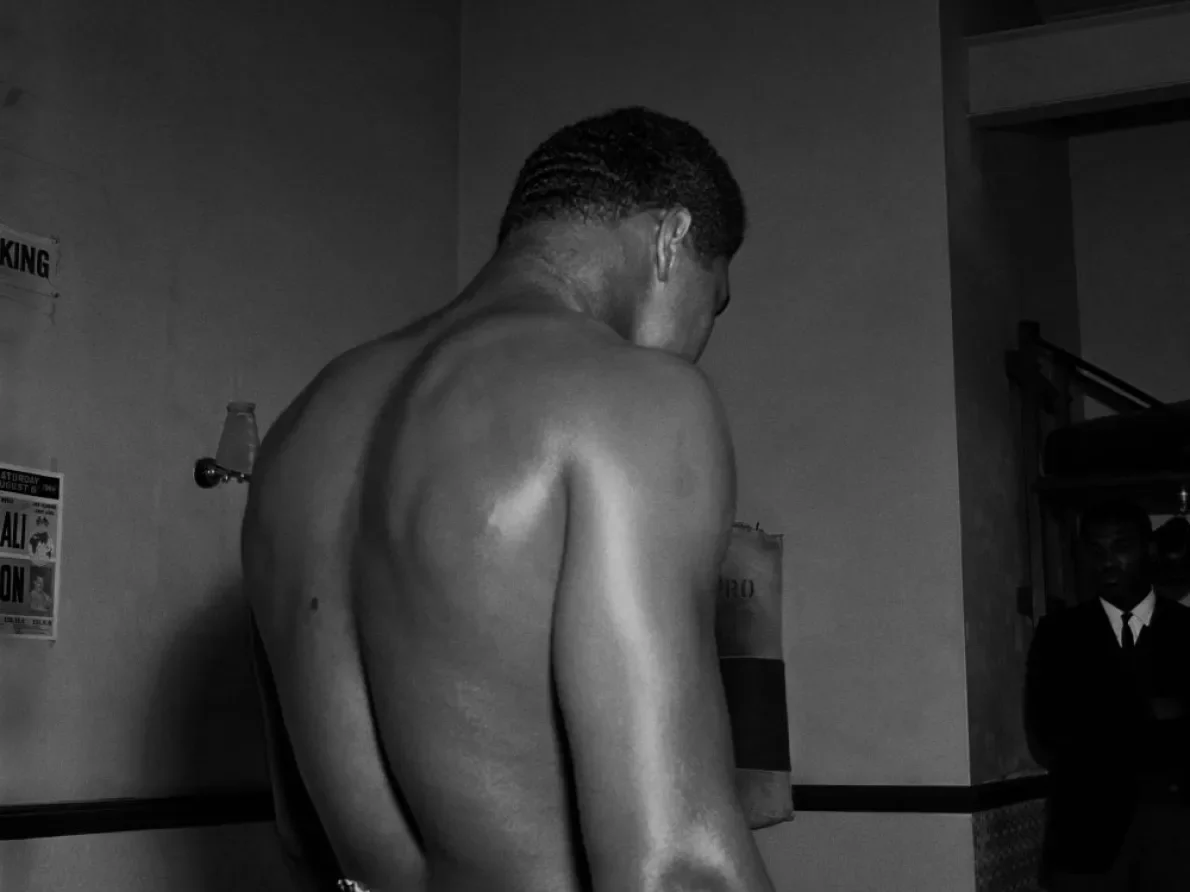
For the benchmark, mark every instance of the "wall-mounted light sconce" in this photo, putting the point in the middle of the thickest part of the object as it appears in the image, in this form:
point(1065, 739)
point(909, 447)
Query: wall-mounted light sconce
point(236, 452)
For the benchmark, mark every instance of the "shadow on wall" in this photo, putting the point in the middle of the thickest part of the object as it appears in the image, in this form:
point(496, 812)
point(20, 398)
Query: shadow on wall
point(204, 735)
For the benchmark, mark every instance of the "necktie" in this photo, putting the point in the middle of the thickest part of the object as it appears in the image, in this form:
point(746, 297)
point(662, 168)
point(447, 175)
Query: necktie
point(1127, 639)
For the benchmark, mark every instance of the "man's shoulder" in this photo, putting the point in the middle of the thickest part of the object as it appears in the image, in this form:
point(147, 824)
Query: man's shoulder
point(624, 375)
point(1172, 613)
point(639, 393)
point(603, 360)
point(577, 371)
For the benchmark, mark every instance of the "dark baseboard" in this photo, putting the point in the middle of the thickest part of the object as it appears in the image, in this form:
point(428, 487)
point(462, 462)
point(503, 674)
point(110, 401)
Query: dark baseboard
point(215, 809)
point(920, 799)
point(125, 815)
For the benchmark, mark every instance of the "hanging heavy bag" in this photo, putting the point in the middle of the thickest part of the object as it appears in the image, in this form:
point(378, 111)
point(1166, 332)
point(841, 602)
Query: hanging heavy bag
point(752, 664)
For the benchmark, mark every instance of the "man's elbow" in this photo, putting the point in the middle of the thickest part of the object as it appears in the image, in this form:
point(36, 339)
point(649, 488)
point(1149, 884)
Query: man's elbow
point(691, 875)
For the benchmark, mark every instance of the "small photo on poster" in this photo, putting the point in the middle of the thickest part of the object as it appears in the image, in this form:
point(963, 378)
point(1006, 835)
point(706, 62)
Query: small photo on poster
point(41, 541)
point(41, 589)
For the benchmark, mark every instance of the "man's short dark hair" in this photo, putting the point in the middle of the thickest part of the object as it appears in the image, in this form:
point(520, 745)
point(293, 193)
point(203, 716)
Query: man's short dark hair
point(614, 165)
point(1117, 513)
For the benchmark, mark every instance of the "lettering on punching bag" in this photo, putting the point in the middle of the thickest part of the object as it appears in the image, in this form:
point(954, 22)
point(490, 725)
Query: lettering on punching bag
point(737, 589)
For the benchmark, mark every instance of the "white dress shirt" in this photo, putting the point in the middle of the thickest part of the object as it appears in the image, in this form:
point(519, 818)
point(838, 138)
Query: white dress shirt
point(1142, 615)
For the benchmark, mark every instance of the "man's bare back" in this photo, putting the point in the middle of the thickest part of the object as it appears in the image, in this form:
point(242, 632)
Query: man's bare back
point(481, 554)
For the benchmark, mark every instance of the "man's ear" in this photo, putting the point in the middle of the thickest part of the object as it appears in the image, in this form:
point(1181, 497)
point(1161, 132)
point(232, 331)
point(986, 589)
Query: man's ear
point(672, 229)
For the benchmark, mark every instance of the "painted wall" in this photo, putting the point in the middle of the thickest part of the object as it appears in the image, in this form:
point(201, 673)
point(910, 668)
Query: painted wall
point(1011, 259)
point(1132, 229)
point(240, 194)
point(245, 857)
point(871, 853)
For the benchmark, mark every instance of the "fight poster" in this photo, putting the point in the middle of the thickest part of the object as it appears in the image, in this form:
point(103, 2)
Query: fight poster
point(30, 551)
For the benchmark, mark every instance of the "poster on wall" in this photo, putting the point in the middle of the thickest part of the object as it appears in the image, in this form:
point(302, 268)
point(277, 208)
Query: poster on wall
point(30, 551)
point(28, 262)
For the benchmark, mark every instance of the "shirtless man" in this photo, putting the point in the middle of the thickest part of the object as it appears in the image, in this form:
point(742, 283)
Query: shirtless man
point(482, 553)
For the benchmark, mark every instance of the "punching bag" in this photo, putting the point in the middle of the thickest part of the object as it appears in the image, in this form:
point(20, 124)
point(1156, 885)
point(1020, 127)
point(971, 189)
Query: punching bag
point(752, 664)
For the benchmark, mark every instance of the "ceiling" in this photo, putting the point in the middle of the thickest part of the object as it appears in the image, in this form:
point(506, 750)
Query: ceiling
point(1107, 67)
point(1058, 10)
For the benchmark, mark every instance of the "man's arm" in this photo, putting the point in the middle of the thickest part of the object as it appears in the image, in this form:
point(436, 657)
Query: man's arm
point(309, 860)
point(651, 497)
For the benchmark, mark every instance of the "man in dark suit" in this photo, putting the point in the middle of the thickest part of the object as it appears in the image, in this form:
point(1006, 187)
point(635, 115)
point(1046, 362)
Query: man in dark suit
point(1107, 697)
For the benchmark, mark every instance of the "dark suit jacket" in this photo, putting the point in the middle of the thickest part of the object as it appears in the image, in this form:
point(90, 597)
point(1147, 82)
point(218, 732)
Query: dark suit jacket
point(1091, 724)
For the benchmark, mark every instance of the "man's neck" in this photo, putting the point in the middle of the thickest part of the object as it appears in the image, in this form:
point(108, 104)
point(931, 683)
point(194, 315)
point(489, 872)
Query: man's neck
point(564, 274)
